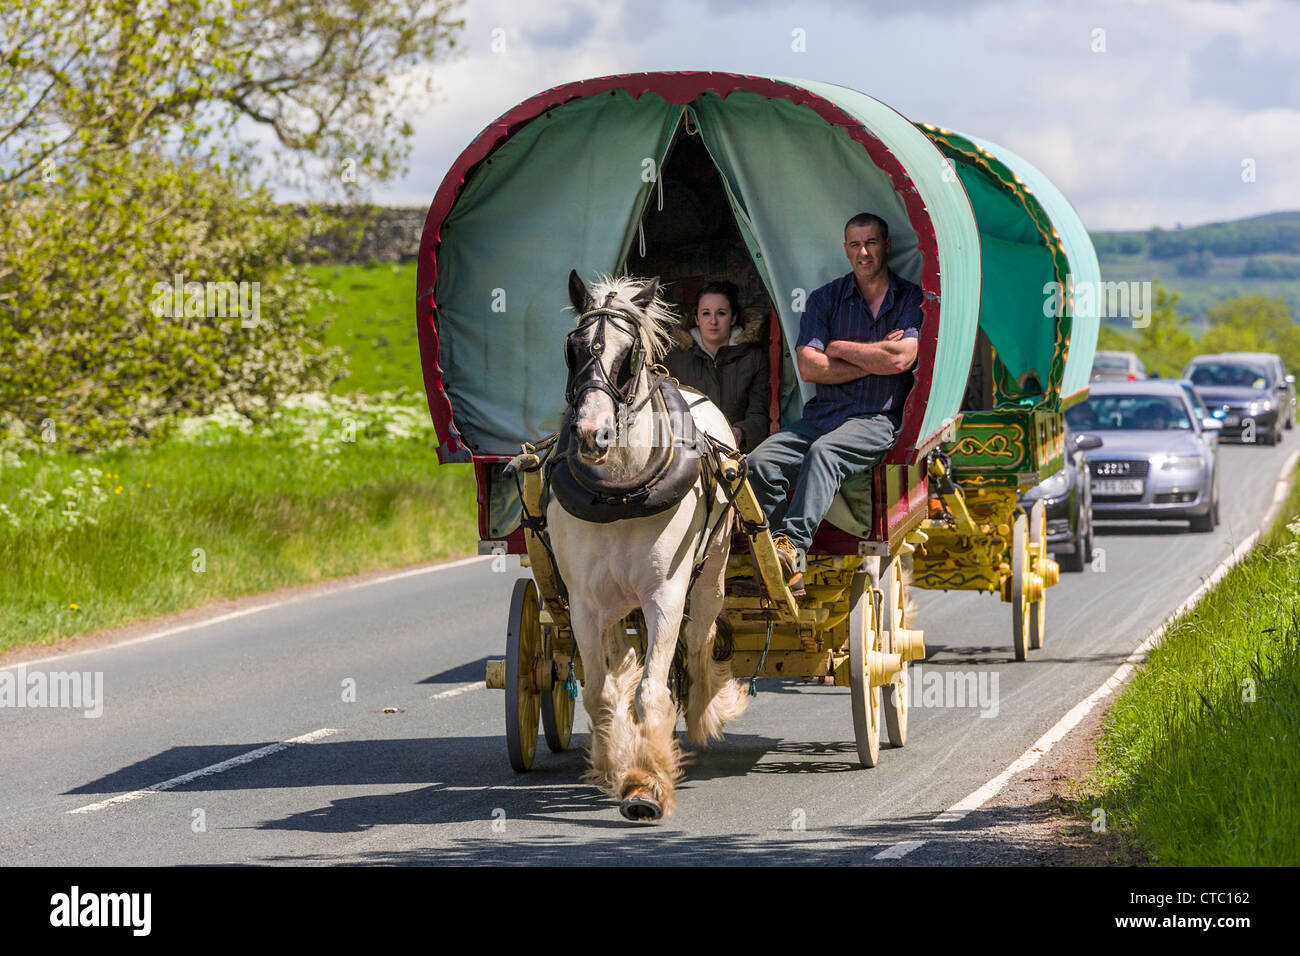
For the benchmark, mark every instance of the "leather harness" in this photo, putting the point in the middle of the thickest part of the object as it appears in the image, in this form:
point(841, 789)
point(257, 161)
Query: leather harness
point(676, 460)
point(675, 464)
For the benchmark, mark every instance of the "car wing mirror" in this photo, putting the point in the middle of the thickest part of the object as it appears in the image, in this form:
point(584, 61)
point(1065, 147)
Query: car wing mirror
point(1087, 442)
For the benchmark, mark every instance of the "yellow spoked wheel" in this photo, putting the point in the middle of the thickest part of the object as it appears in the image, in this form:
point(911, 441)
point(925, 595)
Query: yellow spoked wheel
point(894, 696)
point(864, 637)
point(557, 705)
point(523, 655)
point(1020, 624)
point(1038, 554)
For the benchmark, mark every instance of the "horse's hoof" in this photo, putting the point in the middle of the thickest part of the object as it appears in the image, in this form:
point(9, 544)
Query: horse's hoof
point(641, 808)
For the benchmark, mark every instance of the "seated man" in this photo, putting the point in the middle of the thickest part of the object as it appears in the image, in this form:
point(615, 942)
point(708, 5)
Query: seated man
point(857, 341)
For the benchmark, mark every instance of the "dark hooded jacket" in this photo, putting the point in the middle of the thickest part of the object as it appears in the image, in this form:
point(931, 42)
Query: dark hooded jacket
point(736, 379)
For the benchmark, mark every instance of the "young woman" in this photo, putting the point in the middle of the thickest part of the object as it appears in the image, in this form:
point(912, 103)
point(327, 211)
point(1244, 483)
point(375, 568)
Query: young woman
point(721, 356)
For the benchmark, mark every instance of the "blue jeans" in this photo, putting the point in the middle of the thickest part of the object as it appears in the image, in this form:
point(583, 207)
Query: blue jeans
point(816, 464)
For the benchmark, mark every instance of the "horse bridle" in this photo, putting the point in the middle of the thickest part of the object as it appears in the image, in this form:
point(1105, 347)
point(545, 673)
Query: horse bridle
point(599, 378)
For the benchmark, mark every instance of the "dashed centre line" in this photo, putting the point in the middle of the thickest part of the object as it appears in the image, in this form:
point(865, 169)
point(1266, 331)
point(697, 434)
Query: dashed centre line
point(224, 765)
point(457, 691)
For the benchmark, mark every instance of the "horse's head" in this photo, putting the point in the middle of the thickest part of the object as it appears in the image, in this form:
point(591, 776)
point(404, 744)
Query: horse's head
point(621, 329)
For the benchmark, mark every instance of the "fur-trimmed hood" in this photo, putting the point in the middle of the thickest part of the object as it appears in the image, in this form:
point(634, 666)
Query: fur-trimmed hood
point(736, 379)
point(752, 332)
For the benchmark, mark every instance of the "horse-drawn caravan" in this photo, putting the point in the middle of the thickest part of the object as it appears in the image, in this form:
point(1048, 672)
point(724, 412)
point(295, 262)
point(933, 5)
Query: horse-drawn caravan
point(1033, 359)
point(625, 493)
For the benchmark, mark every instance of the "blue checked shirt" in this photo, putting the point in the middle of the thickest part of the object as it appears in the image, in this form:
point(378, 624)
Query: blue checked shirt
point(837, 310)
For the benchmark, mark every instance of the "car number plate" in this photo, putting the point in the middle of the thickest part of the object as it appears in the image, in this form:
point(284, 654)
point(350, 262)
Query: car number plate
point(1231, 420)
point(1117, 486)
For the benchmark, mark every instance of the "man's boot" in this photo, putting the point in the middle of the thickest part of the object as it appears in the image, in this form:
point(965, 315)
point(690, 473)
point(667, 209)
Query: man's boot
point(788, 555)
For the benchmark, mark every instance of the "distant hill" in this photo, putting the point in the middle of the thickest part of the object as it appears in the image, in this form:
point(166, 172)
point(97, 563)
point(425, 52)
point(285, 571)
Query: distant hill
point(1208, 263)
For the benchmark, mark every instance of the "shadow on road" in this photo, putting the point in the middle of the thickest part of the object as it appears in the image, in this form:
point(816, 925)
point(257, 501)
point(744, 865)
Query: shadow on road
point(450, 779)
point(1001, 836)
point(462, 674)
point(941, 656)
point(1106, 529)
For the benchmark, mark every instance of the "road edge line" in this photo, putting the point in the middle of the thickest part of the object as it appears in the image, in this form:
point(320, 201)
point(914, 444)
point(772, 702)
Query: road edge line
point(323, 588)
point(1043, 745)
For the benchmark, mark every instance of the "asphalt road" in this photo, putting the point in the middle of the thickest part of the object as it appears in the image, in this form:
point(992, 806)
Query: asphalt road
point(430, 783)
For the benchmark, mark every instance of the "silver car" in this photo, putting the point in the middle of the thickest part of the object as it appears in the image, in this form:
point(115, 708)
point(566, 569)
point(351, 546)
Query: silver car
point(1117, 367)
point(1160, 460)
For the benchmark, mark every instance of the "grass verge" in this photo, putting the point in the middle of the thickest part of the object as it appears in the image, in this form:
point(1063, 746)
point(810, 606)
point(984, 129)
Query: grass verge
point(1200, 755)
point(94, 542)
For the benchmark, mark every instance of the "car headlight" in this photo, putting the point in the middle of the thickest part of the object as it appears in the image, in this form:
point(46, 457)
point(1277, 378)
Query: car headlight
point(1176, 462)
point(1259, 407)
point(1055, 486)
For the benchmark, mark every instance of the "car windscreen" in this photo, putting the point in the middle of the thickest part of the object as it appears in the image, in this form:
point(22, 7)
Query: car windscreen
point(1111, 362)
point(1129, 413)
point(1223, 373)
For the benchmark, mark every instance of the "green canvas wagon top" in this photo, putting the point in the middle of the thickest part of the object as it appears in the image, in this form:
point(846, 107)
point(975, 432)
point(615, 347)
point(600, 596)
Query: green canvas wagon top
point(566, 180)
point(1035, 253)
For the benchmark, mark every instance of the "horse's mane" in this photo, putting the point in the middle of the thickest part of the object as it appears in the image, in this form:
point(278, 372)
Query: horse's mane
point(656, 321)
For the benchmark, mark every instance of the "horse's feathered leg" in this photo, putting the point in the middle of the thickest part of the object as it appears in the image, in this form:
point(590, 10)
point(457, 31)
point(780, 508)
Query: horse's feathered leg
point(613, 733)
point(649, 782)
point(598, 644)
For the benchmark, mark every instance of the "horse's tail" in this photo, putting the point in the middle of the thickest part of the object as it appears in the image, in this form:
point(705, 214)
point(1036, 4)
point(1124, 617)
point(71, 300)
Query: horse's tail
point(723, 698)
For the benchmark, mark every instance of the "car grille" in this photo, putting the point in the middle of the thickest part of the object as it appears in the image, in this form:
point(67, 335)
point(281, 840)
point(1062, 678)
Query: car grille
point(1119, 469)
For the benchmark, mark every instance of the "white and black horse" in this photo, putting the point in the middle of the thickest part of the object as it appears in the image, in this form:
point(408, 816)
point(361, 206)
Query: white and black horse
point(635, 522)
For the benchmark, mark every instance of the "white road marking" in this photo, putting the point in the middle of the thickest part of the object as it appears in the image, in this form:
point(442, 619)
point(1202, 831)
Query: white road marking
point(457, 691)
point(898, 850)
point(249, 757)
point(1045, 743)
point(243, 612)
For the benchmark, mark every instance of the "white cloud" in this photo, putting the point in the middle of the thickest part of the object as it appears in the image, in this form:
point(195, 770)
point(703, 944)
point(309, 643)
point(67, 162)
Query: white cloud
point(1135, 136)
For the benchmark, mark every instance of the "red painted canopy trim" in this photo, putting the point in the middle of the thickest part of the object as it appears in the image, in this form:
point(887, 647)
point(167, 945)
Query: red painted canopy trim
point(678, 88)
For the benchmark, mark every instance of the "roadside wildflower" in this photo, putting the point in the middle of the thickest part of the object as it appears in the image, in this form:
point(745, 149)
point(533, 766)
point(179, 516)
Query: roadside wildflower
point(1292, 550)
point(319, 423)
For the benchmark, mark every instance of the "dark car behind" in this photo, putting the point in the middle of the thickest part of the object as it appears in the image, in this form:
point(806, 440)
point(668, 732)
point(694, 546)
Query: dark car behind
point(1249, 392)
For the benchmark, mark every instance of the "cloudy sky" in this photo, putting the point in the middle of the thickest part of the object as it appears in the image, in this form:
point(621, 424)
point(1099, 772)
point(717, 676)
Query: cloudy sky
point(1142, 111)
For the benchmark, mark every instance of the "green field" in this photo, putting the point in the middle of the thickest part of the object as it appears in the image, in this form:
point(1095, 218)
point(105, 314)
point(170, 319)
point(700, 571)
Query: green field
point(371, 313)
point(1198, 293)
point(177, 526)
point(1200, 757)
point(336, 486)
point(1204, 264)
